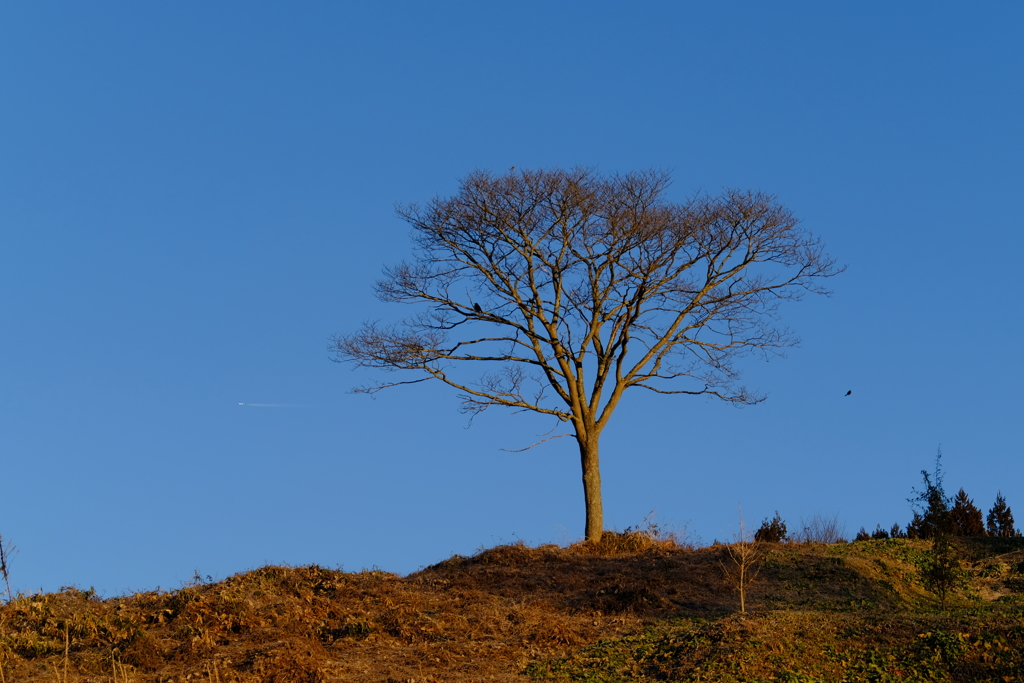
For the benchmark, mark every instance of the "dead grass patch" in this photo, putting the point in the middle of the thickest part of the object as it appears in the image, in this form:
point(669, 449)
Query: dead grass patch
point(490, 616)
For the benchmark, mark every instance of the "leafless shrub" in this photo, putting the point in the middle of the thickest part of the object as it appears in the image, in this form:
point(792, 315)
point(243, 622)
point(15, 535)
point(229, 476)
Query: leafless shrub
point(745, 557)
point(647, 536)
point(822, 529)
point(6, 552)
point(663, 532)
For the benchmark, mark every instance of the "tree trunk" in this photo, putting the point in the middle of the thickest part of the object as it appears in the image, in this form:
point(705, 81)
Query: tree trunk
point(591, 484)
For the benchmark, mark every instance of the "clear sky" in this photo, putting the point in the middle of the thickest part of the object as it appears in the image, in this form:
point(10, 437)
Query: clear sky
point(194, 196)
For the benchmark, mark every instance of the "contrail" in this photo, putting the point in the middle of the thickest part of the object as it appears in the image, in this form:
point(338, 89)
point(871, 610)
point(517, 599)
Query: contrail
point(271, 405)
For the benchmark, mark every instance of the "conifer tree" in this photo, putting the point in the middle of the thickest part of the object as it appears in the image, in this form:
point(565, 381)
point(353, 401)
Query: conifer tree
point(772, 530)
point(915, 527)
point(934, 520)
point(931, 516)
point(1000, 519)
point(965, 517)
point(943, 576)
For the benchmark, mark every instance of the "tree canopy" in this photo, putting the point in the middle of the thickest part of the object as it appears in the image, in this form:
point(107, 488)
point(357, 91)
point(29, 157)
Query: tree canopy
point(574, 287)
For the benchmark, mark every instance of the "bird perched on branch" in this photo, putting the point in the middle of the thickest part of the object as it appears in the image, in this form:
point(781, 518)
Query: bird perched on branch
point(476, 307)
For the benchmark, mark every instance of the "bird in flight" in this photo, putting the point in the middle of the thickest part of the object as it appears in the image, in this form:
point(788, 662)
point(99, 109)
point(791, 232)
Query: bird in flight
point(848, 392)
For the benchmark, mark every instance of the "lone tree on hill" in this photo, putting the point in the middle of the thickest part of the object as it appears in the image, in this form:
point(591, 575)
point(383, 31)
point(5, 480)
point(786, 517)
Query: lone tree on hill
point(574, 287)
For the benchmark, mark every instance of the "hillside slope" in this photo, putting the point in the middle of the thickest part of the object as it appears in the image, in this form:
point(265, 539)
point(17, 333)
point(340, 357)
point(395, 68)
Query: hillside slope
point(631, 609)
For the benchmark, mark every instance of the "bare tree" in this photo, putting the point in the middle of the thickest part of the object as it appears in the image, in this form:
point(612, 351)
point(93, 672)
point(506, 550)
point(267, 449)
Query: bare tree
point(575, 287)
point(745, 557)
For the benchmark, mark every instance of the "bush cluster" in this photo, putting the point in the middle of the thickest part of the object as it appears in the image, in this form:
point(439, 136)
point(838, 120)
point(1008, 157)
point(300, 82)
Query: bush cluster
point(771, 530)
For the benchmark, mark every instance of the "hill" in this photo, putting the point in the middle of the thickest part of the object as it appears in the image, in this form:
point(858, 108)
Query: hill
point(631, 608)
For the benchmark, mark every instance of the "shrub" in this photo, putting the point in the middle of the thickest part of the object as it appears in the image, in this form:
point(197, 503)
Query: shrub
point(821, 529)
point(944, 575)
point(879, 534)
point(771, 531)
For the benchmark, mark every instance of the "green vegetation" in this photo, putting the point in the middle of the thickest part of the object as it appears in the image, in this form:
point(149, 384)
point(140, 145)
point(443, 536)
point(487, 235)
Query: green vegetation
point(943, 601)
point(847, 612)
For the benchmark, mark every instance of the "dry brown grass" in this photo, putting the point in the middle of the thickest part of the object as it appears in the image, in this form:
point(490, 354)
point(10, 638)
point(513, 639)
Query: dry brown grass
point(480, 618)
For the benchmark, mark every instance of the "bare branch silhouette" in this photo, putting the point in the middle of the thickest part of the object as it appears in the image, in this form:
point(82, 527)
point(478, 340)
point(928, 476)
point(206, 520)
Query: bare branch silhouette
point(589, 285)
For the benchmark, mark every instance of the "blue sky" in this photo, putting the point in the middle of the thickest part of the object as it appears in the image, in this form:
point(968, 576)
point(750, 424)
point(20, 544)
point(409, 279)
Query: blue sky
point(195, 196)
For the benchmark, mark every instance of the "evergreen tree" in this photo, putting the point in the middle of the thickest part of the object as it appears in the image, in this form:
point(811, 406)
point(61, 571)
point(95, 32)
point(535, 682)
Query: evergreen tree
point(1000, 519)
point(915, 526)
point(943, 576)
point(965, 518)
point(771, 531)
point(931, 515)
point(934, 519)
